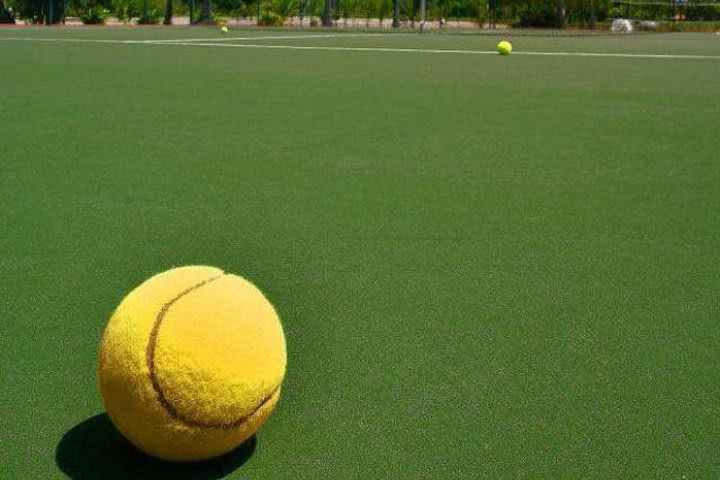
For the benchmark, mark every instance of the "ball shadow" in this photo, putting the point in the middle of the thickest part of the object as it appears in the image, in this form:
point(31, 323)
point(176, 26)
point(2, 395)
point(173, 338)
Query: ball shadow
point(95, 450)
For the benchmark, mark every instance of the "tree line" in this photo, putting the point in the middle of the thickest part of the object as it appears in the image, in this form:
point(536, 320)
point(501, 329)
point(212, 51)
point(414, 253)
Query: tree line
point(518, 13)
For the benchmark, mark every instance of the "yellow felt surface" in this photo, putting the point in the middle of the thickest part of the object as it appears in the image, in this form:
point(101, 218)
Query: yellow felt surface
point(220, 351)
point(504, 47)
point(221, 343)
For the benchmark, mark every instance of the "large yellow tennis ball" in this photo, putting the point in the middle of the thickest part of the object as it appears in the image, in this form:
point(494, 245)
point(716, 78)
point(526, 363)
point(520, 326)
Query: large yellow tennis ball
point(504, 47)
point(191, 363)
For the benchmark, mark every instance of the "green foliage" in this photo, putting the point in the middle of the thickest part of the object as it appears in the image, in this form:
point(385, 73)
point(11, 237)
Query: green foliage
point(538, 14)
point(520, 13)
point(285, 8)
point(94, 16)
point(6, 14)
point(268, 18)
point(227, 6)
point(124, 11)
point(693, 12)
point(308, 8)
point(214, 19)
point(689, 26)
point(153, 17)
point(242, 10)
point(34, 11)
point(383, 9)
point(702, 13)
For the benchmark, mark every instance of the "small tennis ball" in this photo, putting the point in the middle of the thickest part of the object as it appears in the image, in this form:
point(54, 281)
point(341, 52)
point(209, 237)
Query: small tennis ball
point(191, 363)
point(504, 47)
point(224, 30)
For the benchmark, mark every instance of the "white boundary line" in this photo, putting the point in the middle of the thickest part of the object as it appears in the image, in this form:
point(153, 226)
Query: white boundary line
point(461, 52)
point(200, 43)
point(75, 40)
point(190, 41)
point(278, 37)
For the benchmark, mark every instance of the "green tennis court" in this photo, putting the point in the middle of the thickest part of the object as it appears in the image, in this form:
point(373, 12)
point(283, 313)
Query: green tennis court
point(486, 266)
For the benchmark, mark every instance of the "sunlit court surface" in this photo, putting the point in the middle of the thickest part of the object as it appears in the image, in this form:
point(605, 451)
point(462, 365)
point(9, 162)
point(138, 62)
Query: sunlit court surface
point(485, 265)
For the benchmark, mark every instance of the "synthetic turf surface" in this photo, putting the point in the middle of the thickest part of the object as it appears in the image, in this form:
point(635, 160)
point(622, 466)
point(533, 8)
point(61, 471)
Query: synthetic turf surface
point(487, 267)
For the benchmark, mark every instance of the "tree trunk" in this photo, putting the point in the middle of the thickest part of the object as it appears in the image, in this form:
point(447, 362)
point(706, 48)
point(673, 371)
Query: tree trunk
point(168, 12)
point(327, 17)
point(52, 11)
point(560, 14)
point(396, 13)
point(206, 13)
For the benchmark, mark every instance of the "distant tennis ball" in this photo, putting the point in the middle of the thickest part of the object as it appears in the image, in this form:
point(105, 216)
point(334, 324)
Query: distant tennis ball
point(191, 363)
point(504, 47)
point(224, 30)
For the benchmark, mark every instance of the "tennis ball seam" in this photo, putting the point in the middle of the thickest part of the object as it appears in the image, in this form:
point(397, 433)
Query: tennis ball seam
point(150, 360)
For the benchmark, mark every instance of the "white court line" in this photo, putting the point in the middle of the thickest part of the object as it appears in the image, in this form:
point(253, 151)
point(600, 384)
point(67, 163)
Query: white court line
point(366, 49)
point(465, 52)
point(77, 40)
point(277, 37)
point(619, 55)
point(190, 41)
